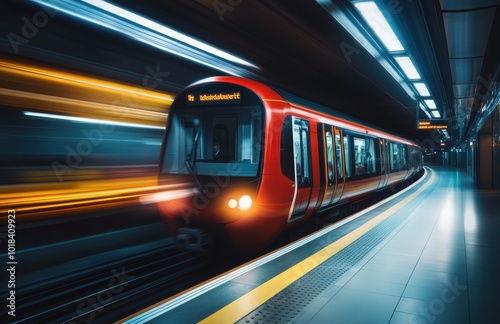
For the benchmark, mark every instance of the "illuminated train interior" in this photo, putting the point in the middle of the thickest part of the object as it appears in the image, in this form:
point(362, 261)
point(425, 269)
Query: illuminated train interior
point(91, 158)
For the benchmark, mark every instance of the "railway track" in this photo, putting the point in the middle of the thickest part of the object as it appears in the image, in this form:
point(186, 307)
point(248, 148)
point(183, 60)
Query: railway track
point(110, 291)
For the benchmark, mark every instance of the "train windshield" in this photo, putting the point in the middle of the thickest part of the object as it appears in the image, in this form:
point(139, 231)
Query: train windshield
point(214, 140)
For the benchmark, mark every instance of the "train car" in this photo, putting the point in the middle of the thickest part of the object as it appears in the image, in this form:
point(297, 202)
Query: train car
point(243, 162)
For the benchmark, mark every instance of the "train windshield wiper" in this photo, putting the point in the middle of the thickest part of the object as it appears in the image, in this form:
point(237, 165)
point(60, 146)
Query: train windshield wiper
point(191, 157)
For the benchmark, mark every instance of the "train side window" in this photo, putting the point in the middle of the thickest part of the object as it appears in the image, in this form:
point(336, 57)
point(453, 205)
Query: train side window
point(364, 155)
point(338, 152)
point(383, 155)
point(348, 156)
point(394, 156)
point(359, 155)
point(298, 152)
point(329, 156)
point(302, 152)
point(403, 154)
point(404, 157)
point(371, 156)
point(286, 149)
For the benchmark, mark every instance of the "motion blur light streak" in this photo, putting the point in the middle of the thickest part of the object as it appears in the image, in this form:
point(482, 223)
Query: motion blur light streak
point(52, 75)
point(165, 31)
point(33, 199)
point(149, 32)
point(88, 109)
point(70, 94)
point(168, 195)
point(42, 146)
point(88, 120)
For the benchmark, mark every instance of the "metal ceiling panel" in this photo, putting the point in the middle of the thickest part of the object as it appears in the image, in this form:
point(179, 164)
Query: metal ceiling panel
point(467, 33)
point(463, 104)
point(466, 70)
point(461, 91)
point(463, 108)
point(467, 4)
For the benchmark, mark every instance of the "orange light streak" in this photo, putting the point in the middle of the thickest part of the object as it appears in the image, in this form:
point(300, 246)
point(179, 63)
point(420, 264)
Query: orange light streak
point(52, 75)
point(80, 96)
point(32, 199)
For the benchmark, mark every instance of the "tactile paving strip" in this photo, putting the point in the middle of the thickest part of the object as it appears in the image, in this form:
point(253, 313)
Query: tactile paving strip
point(287, 304)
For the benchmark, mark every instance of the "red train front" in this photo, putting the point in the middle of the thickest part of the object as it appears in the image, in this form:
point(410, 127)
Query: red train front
point(241, 163)
point(213, 163)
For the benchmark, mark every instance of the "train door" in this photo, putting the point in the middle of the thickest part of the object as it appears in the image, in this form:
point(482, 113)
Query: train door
point(339, 169)
point(302, 163)
point(327, 164)
point(384, 162)
point(331, 167)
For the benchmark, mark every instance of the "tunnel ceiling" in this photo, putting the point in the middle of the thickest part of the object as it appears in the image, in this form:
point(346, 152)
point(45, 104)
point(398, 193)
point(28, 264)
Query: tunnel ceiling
point(299, 47)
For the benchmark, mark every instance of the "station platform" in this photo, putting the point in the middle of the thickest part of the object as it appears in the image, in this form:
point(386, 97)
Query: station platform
point(428, 254)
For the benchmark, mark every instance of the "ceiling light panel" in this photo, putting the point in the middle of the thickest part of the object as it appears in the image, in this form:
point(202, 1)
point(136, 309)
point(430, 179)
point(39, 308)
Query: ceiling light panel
point(435, 114)
point(422, 89)
point(408, 67)
point(430, 103)
point(377, 22)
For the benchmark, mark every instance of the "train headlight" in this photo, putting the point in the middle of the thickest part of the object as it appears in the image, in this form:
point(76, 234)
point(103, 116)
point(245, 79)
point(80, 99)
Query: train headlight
point(245, 202)
point(232, 203)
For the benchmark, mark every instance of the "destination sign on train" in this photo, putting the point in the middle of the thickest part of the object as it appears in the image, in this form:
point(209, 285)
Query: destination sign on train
point(217, 97)
point(432, 124)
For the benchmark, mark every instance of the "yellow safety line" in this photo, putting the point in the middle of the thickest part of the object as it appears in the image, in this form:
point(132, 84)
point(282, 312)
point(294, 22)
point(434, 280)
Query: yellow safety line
point(258, 296)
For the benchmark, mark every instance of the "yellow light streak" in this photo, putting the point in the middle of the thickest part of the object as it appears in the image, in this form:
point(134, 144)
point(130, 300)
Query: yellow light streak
point(81, 108)
point(32, 199)
point(47, 90)
point(51, 75)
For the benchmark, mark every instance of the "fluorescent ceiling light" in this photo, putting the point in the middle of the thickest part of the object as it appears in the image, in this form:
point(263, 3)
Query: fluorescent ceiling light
point(430, 103)
point(377, 22)
point(89, 120)
point(357, 30)
point(345, 21)
point(436, 114)
point(408, 68)
point(422, 89)
point(149, 32)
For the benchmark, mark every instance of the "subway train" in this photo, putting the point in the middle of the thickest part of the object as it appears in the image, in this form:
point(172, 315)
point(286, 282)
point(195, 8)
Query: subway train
point(241, 162)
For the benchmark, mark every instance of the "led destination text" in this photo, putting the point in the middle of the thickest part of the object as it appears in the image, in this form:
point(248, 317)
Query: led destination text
point(233, 97)
point(220, 96)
